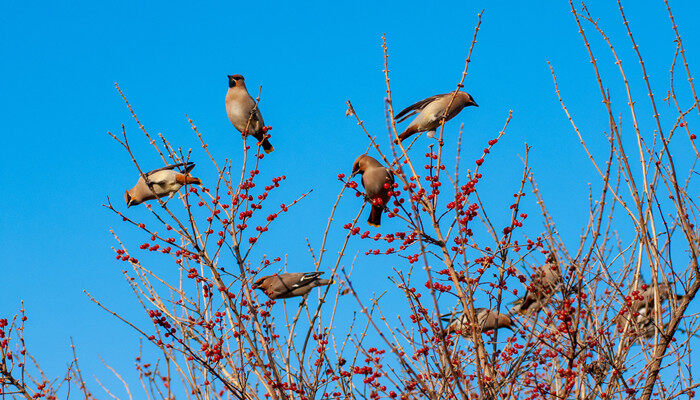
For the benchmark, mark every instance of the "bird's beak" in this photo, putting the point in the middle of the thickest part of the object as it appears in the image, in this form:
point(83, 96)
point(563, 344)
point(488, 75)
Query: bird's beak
point(474, 103)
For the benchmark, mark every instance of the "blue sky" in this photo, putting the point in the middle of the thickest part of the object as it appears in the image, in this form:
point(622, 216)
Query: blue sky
point(61, 60)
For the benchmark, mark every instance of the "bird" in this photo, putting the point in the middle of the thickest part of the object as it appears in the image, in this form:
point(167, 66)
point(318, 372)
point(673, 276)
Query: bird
point(641, 324)
point(647, 328)
point(163, 182)
point(243, 112)
point(598, 369)
point(543, 284)
point(642, 297)
point(640, 306)
point(377, 181)
point(283, 286)
point(488, 320)
point(431, 111)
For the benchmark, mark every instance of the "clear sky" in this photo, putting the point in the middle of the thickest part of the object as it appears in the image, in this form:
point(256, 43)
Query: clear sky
point(57, 96)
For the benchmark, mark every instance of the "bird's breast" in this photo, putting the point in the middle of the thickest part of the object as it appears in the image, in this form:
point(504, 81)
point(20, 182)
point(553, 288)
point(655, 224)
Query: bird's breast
point(373, 181)
point(238, 108)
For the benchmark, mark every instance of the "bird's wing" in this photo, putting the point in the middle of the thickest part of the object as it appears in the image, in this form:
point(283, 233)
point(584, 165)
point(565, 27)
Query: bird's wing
point(306, 279)
point(406, 116)
point(188, 167)
point(519, 300)
point(448, 318)
point(416, 107)
point(258, 117)
point(160, 177)
point(453, 316)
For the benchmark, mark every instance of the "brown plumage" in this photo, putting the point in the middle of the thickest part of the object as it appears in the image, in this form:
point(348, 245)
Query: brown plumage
point(487, 319)
point(543, 285)
point(642, 297)
point(431, 111)
point(598, 369)
point(645, 328)
point(640, 308)
point(242, 112)
point(377, 181)
point(282, 286)
point(163, 181)
point(641, 324)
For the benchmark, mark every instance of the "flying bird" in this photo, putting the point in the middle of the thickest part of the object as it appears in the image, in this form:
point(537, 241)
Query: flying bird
point(431, 111)
point(243, 113)
point(163, 182)
point(487, 320)
point(377, 181)
point(543, 284)
point(282, 286)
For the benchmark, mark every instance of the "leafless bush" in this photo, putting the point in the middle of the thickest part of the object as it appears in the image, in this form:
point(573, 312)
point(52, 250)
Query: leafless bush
point(587, 325)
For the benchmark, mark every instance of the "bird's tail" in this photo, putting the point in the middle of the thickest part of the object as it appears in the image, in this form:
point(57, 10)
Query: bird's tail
point(410, 131)
point(322, 282)
point(267, 146)
point(375, 216)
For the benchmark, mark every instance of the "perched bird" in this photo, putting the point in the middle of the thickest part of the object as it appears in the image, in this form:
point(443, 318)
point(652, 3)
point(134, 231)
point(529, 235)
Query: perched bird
point(641, 324)
point(598, 369)
point(377, 181)
point(543, 284)
point(640, 306)
point(282, 286)
point(431, 111)
point(487, 319)
point(163, 182)
point(647, 329)
point(242, 112)
point(642, 297)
